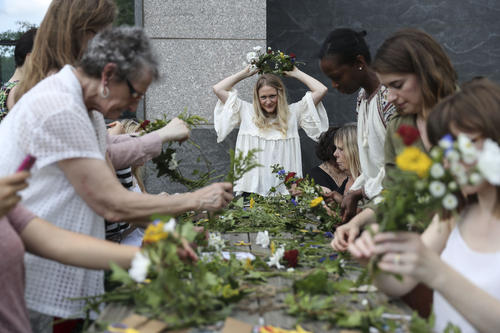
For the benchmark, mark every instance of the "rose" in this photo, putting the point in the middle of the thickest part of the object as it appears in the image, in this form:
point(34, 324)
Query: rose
point(144, 124)
point(292, 257)
point(289, 176)
point(409, 134)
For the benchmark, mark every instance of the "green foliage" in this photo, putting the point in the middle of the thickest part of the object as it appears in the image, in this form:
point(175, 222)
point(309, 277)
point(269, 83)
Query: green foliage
point(126, 12)
point(166, 163)
point(241, 164)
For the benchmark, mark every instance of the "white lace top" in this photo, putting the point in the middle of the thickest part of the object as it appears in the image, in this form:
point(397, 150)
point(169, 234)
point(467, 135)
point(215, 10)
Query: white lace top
point(275, 147)
point(373, 114)
point(51, 123)
point(481, 268)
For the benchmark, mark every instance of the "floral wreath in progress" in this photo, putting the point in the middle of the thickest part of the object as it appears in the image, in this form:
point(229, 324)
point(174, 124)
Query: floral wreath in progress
point(273, 62)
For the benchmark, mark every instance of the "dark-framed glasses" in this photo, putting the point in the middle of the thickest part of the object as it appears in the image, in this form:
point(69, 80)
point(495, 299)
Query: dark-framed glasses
point(133, 93)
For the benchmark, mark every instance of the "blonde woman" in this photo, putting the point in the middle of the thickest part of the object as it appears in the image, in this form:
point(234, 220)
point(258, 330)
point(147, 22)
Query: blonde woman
point(269, 124)
point(347, 154)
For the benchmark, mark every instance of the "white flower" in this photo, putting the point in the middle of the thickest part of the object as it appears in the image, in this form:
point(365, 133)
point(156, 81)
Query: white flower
point(262, 239)
point(342, 263)
point(291, 269)
point(364, 302)
point(437, 189)
point(435, 153)
point(453, 156)
point(378, 199)
point(467, 148)
point(449, 201)
point(172, 164)
point(274, 260)
point(253, 67)
point(170, 225)
point(453, 186)
point(139, 267)
point(437, 171)
point(458, 170)
point(489, 162)
point(475, 178)
point(257, 48)
point(252, 57)
point(215, 240)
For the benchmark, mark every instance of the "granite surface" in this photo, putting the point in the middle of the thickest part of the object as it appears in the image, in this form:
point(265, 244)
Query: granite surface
point(189, 69)
point(205, 19)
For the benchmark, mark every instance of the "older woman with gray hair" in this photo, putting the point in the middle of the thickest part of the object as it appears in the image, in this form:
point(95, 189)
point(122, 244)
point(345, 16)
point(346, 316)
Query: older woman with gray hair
point(61, 122)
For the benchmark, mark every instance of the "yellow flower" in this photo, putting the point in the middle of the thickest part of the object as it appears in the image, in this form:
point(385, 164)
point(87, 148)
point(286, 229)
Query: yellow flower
point(282, 54)
point(241, 243)
point(252, 202)
point(414, 160)
point(316, 202)
point(273, 247)
point(155, 233)
point(228, 292)
point(248, 264)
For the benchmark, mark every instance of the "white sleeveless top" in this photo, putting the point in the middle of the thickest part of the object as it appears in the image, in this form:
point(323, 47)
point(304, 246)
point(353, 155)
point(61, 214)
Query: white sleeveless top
point(481, 268)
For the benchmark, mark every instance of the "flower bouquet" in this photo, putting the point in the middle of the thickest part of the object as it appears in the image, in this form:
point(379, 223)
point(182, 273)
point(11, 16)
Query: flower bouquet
point(423, 185)
point(274, 62)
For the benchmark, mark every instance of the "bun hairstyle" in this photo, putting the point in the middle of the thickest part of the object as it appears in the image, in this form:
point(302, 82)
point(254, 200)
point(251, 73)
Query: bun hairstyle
point(346, 43)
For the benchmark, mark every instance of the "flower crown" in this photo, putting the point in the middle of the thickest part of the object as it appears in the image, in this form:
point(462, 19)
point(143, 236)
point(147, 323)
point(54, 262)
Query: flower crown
point(274, 62)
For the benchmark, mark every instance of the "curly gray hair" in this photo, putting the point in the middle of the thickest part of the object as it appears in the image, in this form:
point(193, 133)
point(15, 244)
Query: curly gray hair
point(127, 47)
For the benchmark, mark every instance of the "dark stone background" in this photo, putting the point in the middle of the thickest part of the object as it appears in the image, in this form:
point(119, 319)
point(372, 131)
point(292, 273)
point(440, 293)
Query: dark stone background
point(469, 30)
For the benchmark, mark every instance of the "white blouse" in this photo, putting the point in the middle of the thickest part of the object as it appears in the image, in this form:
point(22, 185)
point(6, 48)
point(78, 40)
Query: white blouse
point(480, 268)
point(51, 123)
point(373, 115)
point(275, 147)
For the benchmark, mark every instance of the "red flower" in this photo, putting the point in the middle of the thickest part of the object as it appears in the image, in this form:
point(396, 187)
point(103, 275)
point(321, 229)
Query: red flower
point(292, 257)
point(408, 133)
point(290, 175)
point(292, 55)
point(299, 180)
point(144, 124)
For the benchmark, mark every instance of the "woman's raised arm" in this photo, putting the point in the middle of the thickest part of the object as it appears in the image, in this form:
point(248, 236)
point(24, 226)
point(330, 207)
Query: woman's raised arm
point(223, 88)
point(317, 88)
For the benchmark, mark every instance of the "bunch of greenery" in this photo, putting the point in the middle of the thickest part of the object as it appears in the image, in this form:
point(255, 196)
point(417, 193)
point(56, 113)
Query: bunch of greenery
point(309, 198)
point(177, 292)
point(274, 62)
point(167, 164)
point(240, 164)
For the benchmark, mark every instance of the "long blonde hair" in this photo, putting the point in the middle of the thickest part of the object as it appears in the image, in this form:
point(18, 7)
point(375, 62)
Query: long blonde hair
point(62, 37)
point(261, 119)
point(346, 137)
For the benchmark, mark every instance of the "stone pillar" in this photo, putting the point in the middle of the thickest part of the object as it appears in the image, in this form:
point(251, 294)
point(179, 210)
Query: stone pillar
point(198, 43)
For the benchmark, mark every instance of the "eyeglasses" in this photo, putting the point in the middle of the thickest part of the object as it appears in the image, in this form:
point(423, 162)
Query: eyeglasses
point(133, 93)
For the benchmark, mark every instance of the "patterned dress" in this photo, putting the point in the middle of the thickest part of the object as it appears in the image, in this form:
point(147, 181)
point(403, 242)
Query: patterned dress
point(4, 94)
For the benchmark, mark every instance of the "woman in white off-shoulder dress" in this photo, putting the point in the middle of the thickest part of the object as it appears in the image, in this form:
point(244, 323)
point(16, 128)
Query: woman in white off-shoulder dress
point(269, 124)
